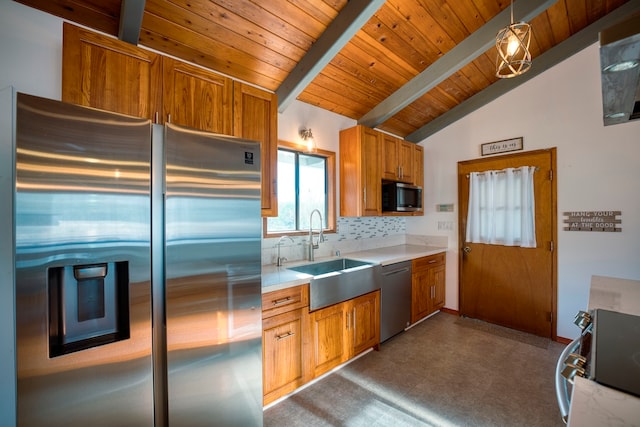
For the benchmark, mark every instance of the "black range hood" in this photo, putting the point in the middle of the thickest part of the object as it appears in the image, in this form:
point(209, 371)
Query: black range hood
point(620, 71)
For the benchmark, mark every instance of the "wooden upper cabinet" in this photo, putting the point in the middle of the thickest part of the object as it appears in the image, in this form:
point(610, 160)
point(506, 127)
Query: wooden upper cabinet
point(397, 159)
point(255, 115)
point(197, 98)
point(360, 163)
point(109, 74)
point(418, 172)
point(418, 165)
point(102, 72)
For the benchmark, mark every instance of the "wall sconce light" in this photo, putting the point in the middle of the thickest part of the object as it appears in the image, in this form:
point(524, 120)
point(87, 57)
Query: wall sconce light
point(512, 43)
point(307, 138)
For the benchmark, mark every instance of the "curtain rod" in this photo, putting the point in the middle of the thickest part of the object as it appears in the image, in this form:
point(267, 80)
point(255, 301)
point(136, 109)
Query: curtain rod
point(536, 169)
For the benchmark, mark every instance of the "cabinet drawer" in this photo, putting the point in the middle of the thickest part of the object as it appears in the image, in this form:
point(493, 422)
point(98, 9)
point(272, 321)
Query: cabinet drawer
point(428, 261)
point(284, 300)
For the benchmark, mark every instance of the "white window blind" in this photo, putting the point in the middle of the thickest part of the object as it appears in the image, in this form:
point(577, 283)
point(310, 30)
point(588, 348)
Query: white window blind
point(501, 207)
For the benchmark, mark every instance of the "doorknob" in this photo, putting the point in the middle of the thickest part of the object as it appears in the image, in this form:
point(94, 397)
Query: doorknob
point(466, 249)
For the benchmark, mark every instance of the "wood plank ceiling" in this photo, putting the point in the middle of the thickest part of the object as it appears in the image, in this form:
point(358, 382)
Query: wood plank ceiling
point(359, 72)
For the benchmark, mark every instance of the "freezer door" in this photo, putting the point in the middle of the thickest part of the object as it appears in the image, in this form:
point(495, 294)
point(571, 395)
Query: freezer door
point(83, 307)
point(213, 288)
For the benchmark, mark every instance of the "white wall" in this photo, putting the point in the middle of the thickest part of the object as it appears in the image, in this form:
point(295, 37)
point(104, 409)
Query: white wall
point(31, 50)
point(598, 168)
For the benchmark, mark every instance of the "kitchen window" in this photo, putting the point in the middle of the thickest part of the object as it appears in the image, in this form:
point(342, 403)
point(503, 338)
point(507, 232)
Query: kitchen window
point(306, 181)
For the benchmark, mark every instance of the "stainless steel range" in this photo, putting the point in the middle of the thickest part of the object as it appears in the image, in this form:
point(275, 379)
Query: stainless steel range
point(607, 352)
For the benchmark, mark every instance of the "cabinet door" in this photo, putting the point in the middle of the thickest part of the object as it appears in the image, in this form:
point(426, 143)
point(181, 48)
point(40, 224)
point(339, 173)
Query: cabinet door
point(371, 154)
point(255, 115)
point(364, 322)
point(105, 73)
point(390, 161)
point(437, 280)
point(420, 294)
point(330, 349)
point(405, 161)
point(418, 172)
point(283, 362)
point(196, 98)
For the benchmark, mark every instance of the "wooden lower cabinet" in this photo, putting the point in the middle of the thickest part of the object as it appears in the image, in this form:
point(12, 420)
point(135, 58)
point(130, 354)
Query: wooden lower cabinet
point(342, 331)
point(328, 338)
point(285, 326)
point(427, 286)
point(364, 321)
point(298, 345)
point(283, 357)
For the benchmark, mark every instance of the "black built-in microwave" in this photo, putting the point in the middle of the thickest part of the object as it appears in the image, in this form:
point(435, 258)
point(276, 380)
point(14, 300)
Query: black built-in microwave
point(401, 197)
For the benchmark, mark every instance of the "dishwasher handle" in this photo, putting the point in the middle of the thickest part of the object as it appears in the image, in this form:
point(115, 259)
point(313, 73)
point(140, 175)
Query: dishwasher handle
point(390, 273)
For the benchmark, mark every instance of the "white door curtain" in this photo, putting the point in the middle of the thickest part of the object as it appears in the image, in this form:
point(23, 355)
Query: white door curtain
point(502, 207)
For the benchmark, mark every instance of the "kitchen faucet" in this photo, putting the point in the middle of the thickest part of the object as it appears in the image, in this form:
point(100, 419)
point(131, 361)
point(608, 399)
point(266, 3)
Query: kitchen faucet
point(280, 260)
point(313, 246)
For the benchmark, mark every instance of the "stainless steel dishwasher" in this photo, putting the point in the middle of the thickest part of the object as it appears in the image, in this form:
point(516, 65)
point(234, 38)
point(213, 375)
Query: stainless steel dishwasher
point(395, 299)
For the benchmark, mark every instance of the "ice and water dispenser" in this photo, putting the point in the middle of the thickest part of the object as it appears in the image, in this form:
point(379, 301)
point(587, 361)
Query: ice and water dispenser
point(88, 306)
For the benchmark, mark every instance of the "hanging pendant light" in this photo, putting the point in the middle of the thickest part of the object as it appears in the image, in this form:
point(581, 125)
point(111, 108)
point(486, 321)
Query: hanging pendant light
point(512, 44)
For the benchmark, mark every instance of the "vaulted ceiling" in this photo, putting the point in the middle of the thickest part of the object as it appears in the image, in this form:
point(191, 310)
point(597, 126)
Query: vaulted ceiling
point(408, 67)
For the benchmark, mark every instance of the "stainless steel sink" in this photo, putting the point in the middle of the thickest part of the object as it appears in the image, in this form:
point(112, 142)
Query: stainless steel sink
point(339, 280)
point(319, 268)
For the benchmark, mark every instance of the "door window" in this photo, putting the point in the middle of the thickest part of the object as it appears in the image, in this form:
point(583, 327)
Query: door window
point(501, 207)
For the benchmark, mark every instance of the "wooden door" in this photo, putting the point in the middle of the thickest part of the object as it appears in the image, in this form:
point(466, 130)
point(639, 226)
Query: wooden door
point(109, 74)
point(363, 322)
point(255, 115)
point(506, 285)
point(196, 98)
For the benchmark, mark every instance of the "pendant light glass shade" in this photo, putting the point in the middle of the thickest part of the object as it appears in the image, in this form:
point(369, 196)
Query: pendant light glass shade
point(308, 140)
point(512, 44)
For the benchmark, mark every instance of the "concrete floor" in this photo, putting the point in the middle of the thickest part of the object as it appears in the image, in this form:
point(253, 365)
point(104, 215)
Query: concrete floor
point(445, 371)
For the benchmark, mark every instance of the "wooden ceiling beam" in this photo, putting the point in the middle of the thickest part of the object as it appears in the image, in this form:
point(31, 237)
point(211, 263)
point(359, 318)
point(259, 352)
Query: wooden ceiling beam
point(462, 54)
point(131, 12)
point(348, 22)
point(579, 41)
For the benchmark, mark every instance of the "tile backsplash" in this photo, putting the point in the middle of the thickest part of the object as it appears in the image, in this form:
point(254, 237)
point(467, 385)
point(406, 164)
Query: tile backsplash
point(352, 234)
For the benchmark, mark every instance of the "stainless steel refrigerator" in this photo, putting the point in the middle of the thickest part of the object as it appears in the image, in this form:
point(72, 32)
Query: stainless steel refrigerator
point(137, 271)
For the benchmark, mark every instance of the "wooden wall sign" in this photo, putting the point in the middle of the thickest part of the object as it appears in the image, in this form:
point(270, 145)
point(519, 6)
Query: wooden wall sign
point(504, 146)
point(592, 221)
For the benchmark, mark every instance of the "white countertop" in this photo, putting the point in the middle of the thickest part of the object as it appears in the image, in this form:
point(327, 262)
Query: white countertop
point(275, 278)
point(592, 404)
